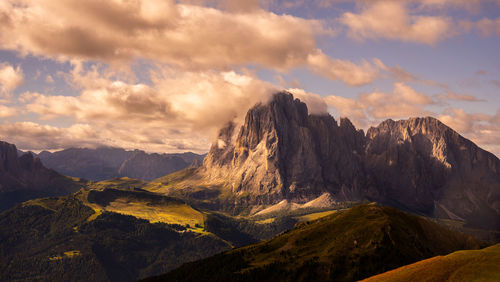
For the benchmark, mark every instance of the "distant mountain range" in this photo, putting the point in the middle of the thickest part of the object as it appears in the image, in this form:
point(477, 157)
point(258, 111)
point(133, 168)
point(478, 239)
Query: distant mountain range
point(283, 153)
point(23, 177)
point(106, 163)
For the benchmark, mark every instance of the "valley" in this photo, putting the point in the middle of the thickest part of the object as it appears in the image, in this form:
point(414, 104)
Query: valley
point(288, 196)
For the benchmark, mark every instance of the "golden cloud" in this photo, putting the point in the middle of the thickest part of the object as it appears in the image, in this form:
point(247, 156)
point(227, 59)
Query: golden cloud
point(10, 78)
point(177, 106)
point(392, 20)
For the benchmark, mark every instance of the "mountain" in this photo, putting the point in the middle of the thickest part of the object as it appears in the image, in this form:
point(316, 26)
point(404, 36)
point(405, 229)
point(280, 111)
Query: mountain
point(64, 239)
point(281, 152)
point(345, 246)
point(106, 163)
point(114, 230)
point(471, 265)
point(429, 168)
point(23, 177)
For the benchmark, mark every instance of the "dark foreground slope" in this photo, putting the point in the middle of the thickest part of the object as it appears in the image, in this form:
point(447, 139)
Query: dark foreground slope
point(62, 239)
point(23, 177)
point(360, 242)
point(470, 265)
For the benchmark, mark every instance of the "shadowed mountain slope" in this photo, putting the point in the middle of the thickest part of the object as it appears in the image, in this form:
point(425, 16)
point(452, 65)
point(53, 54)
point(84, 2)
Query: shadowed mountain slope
point(64, 239)
point(23, 177)
point(346, 246)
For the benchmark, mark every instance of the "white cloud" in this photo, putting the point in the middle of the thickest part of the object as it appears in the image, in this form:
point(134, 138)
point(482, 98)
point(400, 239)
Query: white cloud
point(346, 71)
point(10, 78)
point(190, 37)
point(482, 129)
point(369, 108)
point(392, 20)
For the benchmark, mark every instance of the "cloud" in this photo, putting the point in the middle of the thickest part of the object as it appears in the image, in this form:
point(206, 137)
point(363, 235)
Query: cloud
point(315, 103)
point(346, 71)
point(482, 129)
point(397, 72)
point(33, 136)
point(176, 113)
point(480, 72)
point(185, 35)
point(485, 26)
point(36, 137)
point(449, 95)
point(7, 111)
point(495, 82)
point(49, 79)
point(369, 108)
point(10, 78)
point(392, 20)
point(191, 37)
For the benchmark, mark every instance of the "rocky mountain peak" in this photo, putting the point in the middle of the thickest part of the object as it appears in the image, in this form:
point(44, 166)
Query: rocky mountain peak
point(283, 153)
point(24, 177)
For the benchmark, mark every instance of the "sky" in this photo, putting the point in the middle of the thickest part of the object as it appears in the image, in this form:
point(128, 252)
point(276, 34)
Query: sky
point(164, 76)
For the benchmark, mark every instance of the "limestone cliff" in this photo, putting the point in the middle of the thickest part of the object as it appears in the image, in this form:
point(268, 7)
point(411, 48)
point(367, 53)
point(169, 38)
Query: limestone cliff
point(428, 167)
point(283, 153)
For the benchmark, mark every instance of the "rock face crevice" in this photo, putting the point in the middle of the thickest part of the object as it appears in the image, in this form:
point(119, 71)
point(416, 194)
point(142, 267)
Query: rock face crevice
point(283, 153)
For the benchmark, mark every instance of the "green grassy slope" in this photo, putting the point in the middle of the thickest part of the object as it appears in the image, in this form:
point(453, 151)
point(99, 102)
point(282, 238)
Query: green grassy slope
point(51, 239)
point(470, 265)
point(345, 246)
point(123, 183)
point(145, 205)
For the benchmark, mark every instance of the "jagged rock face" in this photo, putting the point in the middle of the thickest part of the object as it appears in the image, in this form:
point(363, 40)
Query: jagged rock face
point(419, 164)
point(24, 177)
point(426, 166)
point(281, 152)
point(21, 171)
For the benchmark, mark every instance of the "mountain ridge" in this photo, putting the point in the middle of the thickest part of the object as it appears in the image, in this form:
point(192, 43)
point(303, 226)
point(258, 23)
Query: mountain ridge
point(109, 162)
point(345, 246)
point(283, 153)
point(24, 177)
